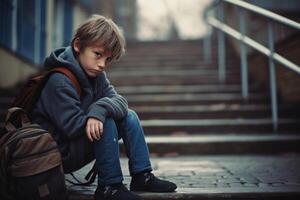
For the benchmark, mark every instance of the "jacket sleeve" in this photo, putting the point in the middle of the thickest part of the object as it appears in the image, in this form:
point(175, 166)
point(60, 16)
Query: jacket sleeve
point(63, 106)
point(115, 105)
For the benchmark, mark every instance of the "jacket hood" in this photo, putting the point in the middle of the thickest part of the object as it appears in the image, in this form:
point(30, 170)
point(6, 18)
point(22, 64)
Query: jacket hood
point(64, 57)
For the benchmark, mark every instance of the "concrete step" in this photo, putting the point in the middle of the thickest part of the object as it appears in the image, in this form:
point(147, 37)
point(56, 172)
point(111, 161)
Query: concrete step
point(174, 99)
point(213, 126)
point(220, 177)
point(171, 57)
point(178, 64)
point(131, 56)
point(188, 105)
point(172, 50)
point(166, 73)
point(218, 144)
point(171, 79)
point(191, 99)
point(149, 66)
point(179, 89)
point(168, 48)
point(202, 126)
point(214, 111)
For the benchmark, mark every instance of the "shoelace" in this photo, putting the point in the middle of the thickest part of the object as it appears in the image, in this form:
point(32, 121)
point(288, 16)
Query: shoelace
point(149, 177)
point(109, 191)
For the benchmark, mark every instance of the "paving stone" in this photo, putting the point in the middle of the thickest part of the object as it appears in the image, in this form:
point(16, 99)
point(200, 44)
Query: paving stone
point(228, 181)
point(222, 185)
point(236, 185)
point(270, 179)
point(250, 185)
point(248, 178)
point(277, 184)
point(264, 184)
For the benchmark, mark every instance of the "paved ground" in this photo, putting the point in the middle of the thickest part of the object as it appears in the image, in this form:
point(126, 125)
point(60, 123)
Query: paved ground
point(219, 177)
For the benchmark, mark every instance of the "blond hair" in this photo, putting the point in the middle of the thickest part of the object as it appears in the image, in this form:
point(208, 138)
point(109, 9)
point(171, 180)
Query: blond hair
point(99, 29)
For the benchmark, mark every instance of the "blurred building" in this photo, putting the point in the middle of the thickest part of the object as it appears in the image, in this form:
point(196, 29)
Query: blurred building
point(31, 29)
point(124, 12)
point(171, 19)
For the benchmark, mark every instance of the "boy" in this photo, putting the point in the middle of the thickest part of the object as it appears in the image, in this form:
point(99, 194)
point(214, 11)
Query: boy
point(90, 126)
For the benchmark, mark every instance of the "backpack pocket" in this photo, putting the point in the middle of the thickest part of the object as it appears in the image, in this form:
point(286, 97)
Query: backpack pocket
point(48, 185)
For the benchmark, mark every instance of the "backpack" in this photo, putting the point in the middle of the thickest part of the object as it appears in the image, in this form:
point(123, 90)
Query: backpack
point(30, 161)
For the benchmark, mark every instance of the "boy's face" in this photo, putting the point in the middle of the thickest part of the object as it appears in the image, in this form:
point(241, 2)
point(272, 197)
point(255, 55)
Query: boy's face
point(93, 59)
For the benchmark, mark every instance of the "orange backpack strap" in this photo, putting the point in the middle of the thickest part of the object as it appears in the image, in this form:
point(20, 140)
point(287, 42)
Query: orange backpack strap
point(71, 76)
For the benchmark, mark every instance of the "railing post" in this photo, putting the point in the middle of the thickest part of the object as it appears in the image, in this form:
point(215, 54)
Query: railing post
point(272, 77)
point(221, 48)
point(207, 49)
point(37, 31)
point(244, 64)
point(14, 26)
point(207, 42)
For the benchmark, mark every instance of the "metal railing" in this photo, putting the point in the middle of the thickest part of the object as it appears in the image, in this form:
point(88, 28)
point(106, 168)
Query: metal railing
point(240, 35)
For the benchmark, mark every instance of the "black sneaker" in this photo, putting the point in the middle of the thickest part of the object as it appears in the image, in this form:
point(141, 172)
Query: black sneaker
point(115, 192)
point(147, 182)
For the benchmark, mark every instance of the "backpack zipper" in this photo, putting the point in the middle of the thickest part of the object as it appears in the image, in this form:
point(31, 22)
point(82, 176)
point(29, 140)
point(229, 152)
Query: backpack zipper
point(34, 154)
point(18, 138)
point(12, 145)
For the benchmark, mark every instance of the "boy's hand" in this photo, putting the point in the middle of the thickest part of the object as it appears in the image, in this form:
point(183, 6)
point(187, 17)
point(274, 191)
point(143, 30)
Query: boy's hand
point(94, 129)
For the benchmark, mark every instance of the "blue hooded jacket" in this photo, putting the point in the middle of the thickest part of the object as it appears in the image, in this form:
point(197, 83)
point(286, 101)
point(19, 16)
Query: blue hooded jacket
point(60, 108)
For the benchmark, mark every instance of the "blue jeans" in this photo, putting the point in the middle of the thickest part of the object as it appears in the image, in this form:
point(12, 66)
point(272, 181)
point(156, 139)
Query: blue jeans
point(107, 149)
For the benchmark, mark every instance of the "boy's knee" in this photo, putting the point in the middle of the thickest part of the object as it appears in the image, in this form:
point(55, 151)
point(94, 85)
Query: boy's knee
point(132, 116)
point(110, 126)
point(109, 123)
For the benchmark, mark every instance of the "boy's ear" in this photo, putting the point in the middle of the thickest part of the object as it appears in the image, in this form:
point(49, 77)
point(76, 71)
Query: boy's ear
point(76, 45)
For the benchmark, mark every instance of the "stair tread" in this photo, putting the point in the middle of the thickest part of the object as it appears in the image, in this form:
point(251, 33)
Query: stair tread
point(151, 89)
point(220, 138)
point(213, 122)
point(190, 97)
point(202, 108)
point(162, 73)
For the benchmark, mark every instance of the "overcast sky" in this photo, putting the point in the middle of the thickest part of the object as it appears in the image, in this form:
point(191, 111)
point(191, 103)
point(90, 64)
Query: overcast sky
point(155, 18)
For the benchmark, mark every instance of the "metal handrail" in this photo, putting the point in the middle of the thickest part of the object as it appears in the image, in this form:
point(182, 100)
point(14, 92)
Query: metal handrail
point(264, 12)
point(252, 43)
point(245, 40)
